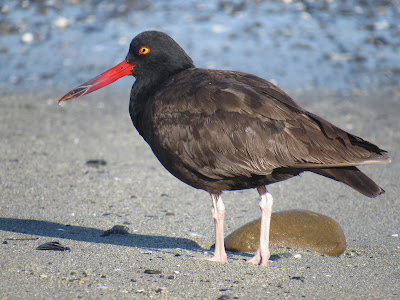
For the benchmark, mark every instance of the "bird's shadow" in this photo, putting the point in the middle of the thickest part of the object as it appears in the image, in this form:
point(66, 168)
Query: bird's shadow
point(93, 235)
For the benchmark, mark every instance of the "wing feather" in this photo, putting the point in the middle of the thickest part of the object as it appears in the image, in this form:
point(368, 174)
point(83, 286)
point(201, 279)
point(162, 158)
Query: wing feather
point(227, 124)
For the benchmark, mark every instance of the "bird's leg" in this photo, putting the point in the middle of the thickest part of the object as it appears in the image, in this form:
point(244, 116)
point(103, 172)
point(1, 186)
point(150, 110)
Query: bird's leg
point(262, 255)
point(218, 214)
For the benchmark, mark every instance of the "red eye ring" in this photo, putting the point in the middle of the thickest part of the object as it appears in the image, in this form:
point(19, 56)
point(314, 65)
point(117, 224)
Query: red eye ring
point(144, 50)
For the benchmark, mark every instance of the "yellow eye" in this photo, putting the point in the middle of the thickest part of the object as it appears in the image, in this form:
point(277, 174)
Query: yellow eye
point(144, 50)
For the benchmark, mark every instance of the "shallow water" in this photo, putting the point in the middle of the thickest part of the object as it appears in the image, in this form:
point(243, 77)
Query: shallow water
point(331, 44)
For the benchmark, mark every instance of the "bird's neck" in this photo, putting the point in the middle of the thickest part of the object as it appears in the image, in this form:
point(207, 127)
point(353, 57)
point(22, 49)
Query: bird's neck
point(141, 94)
point(146, 85)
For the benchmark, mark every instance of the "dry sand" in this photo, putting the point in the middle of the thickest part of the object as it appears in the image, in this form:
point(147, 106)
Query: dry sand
point(49, 193)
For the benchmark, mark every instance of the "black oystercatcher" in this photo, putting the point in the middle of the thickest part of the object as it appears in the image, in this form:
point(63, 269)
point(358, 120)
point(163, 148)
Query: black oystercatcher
point(222, 130)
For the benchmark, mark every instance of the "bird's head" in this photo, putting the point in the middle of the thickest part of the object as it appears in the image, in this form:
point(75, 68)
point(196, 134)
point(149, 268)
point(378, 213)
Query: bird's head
point(152, 55)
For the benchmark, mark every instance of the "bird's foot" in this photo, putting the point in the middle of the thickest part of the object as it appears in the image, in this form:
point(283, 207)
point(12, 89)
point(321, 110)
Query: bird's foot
point(259, 259)
point(215, 258)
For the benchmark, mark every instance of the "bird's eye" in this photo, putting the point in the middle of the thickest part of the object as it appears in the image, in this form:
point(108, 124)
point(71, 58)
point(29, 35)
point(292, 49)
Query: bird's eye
point(144, 50)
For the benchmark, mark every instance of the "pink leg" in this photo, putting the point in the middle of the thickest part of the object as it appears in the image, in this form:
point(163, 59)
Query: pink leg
point(262, 255)
point(218, 214)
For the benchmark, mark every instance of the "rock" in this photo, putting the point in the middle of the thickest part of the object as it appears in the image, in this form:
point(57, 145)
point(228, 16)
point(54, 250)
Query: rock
point(294, 229)
point(116, 230)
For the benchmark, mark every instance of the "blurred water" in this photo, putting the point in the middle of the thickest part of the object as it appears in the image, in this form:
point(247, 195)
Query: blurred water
point(297, 44)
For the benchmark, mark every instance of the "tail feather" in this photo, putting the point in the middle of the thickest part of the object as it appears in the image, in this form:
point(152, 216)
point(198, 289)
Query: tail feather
point(354, 178)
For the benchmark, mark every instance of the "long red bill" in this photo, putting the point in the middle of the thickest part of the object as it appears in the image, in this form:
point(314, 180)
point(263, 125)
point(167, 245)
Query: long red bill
point(115, 73)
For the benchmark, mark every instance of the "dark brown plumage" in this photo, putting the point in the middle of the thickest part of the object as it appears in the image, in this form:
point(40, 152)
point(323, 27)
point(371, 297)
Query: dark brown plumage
point(222, 130)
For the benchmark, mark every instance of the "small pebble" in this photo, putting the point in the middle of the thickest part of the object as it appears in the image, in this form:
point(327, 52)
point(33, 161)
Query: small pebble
point(96, 163)
point(161, 290)
point(298, 278)
point(297, 255)
point(381, 25)
point(61, 22)
point(149, 271)
point(116, 230)
point(146, 251)
point(197, 234)
point(218, 29)
point(27, 37)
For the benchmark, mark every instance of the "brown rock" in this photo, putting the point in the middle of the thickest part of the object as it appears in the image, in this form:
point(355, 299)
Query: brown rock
point(295, 229)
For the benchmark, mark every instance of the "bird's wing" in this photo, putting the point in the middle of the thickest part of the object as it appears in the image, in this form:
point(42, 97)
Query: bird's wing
point(231, 124)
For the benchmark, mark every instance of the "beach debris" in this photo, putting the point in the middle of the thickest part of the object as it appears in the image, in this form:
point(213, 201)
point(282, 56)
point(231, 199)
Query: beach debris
point(352, 253)
point(22, 239)
point(161, 290)
point(96, 163)
point(150, 271)
point(53, 246)
point(197, 234)
point(300, 278)
point(146, 251)
point(294, 229)
point(116, 230)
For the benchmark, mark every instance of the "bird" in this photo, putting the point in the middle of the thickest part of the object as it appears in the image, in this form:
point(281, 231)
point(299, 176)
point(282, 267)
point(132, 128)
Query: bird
point(219, 130)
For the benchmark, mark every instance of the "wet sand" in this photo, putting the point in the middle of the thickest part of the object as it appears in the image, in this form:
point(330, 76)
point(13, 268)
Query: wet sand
point(48, 192)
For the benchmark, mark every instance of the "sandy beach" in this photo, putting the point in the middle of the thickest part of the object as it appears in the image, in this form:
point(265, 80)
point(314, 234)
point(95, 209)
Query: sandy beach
point(49, 192)
point(68, 174)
